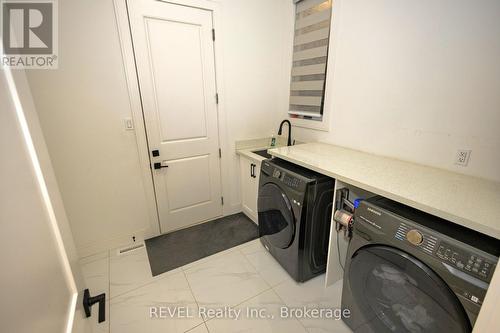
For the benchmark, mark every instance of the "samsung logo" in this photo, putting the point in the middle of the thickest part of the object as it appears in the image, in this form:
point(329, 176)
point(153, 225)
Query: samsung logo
point(371, 222)
point(374, 211)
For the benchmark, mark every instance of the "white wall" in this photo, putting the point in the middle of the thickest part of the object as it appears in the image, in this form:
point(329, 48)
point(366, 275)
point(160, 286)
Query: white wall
point(417, 80)
point(41, 278)
point(81, 107)
point(255, 74)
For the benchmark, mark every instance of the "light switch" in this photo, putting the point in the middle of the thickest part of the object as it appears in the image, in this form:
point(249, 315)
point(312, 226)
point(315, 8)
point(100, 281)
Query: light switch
point(129, 124)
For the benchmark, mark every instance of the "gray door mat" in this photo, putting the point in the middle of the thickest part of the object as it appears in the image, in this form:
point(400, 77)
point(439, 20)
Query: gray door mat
point(176, 249)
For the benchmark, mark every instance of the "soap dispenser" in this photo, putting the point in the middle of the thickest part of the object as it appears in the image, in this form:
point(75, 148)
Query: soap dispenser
point(273, 140)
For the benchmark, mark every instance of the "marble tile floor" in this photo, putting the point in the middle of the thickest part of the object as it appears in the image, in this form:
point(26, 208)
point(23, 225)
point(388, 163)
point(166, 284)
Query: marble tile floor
point(245, 280)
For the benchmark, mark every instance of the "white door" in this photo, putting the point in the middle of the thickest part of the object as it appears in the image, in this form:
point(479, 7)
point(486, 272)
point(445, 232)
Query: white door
point(38, 289)
point(174, 54)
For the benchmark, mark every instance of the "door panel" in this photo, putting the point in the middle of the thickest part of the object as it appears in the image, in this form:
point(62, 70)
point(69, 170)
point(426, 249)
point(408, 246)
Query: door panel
point(249, 187)
point(175, 64)
point(246, 186)
point(254, 189)
point(197, 185)
point(177, 70)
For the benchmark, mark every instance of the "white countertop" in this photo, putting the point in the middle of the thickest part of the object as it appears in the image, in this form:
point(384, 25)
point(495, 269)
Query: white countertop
point(465, 200)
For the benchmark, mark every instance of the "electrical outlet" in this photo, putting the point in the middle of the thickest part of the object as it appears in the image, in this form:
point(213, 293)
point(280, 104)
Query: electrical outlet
point(462, 157)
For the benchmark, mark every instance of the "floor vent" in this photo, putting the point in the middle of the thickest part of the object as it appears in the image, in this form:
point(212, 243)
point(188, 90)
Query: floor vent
point(130, 248)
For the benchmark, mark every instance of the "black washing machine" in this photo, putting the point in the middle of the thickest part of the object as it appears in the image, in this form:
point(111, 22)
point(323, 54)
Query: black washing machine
point(294, 210)
point(408, 271)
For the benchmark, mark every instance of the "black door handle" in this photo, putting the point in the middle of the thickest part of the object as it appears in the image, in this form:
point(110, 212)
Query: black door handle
point(252, 170)
point(158, 165)
point(89, 301)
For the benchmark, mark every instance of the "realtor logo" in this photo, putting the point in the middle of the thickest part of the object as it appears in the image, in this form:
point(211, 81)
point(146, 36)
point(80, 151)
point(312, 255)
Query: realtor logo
point(29, 34)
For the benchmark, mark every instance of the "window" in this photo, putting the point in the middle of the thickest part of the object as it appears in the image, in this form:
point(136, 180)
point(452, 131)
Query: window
point(310, 55)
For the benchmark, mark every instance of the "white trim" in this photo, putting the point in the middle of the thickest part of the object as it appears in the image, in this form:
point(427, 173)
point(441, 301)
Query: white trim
point(129, 248)
point(211, 5)
point(305, 113)
point(122, 24)
point(225, 165)
point(136, 106)
point(325, 123)
point(111, 243)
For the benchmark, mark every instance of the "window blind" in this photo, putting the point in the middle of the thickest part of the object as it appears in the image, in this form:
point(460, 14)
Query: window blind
point(310, 55)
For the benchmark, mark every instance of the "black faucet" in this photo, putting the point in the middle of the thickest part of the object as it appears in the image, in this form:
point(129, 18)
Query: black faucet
point(289, 142)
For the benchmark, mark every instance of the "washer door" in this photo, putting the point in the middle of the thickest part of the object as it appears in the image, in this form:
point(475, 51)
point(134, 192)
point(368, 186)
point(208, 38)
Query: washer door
point(395, 292)
point(276, 220)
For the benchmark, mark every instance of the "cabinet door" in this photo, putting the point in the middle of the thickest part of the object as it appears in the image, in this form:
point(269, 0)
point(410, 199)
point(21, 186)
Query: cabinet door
point(249, 187)
point(255, 189)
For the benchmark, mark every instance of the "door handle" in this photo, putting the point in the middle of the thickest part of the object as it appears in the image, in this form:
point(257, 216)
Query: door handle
point(252, 170)
point(89, 301)
point(158, 165)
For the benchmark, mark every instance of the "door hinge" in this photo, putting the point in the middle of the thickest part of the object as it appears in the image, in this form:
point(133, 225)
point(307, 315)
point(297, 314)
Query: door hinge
point(222, 201)
point(220, 153)
point(213, 35)
point(217, 98)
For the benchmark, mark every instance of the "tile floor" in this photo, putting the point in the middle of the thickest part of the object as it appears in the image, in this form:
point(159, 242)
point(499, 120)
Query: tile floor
point(243, 277)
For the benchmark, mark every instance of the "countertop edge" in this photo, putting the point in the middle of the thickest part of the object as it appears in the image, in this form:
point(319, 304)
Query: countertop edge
point(428, 209)
point(248, 152)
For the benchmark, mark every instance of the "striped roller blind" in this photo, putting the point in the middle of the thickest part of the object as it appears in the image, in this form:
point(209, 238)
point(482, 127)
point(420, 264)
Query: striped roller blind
point(310, 54)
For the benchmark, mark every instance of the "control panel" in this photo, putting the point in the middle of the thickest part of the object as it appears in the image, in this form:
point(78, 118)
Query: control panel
point(424, 241)
point(291, 181)
point(286, 178)
point(465, 261)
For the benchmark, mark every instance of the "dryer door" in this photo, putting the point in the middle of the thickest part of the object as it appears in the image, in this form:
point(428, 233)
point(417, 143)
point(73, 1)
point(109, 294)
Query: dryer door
point(276, 220)
point(396, 292)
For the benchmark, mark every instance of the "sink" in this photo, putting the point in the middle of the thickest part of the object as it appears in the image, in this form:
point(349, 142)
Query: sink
point(262, 153)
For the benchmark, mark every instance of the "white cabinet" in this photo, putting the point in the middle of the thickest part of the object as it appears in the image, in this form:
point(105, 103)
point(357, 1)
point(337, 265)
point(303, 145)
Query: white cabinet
point(249, 174)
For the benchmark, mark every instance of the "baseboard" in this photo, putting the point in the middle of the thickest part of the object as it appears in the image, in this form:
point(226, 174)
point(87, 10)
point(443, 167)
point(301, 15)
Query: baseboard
point(140, 235)
point(231, 209)
point(106, 245)
point(250, 216)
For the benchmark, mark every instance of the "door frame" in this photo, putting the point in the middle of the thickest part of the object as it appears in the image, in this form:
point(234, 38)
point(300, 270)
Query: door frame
point(126, 44)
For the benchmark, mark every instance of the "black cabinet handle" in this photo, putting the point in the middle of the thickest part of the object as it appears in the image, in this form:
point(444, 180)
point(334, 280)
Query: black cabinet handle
point(89, 301)
point(252, 170)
